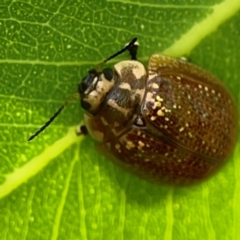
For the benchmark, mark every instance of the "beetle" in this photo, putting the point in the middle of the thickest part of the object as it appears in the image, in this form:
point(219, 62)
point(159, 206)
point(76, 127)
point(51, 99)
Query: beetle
point(171, 123)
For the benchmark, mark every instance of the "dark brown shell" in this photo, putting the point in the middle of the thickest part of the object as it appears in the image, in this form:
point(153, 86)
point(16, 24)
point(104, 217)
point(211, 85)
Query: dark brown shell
point(185, 129)
point(197, 112)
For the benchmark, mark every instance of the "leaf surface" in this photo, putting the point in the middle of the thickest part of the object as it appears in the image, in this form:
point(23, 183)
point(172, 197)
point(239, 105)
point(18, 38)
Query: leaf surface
point(59, 186)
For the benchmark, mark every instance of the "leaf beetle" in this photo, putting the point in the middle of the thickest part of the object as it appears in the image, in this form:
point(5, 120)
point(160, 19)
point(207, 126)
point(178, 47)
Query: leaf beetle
point(171, 123)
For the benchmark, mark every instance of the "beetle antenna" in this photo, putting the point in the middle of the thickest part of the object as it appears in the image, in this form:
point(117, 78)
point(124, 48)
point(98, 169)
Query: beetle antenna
point(75, 95)
point(119, 52)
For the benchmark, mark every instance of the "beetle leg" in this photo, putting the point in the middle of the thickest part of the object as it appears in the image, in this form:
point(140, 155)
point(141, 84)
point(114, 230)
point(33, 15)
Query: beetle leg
point(133, 51)
point(81, 130)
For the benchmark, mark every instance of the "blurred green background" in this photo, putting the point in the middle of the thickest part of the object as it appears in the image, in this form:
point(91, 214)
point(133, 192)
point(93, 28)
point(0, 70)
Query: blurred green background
point(59, 186)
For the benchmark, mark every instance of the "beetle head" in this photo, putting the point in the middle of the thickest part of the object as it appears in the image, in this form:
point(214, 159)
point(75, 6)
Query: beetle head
point(94, 89)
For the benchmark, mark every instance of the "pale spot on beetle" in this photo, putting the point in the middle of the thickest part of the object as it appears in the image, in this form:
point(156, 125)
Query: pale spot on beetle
point(200, 86)
point(158, 98)
point(141, 144)
point(160, 113)
point(153, 118)
point(156, 105)
point(152, 76)
point(187, 125)
point(147, 145)
point(206, 89)
point(213, 91)
point(99, 85)
point(203, 142)
point(214, 150)
point(130, 145)
point(149, 97)
point(165, 126)
point(190, 135)
point(188, 112)
point(139, 122)
point(166, 154)
point(174, 106)
point(147, 160)
point(125, 85)
point(181, 129)
point(166, 119)
point(179, 160)
point(155, 86)
point(137, 70)
point(117, 146)
point(178, 78)
point(189, 96)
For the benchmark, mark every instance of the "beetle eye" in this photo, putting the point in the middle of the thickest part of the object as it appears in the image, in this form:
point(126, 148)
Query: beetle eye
point(108, 73)
point(85, 105)
point(87, 81)
point(82, 87)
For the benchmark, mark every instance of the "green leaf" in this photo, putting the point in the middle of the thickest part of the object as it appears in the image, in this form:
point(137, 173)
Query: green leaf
point(58, 186)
